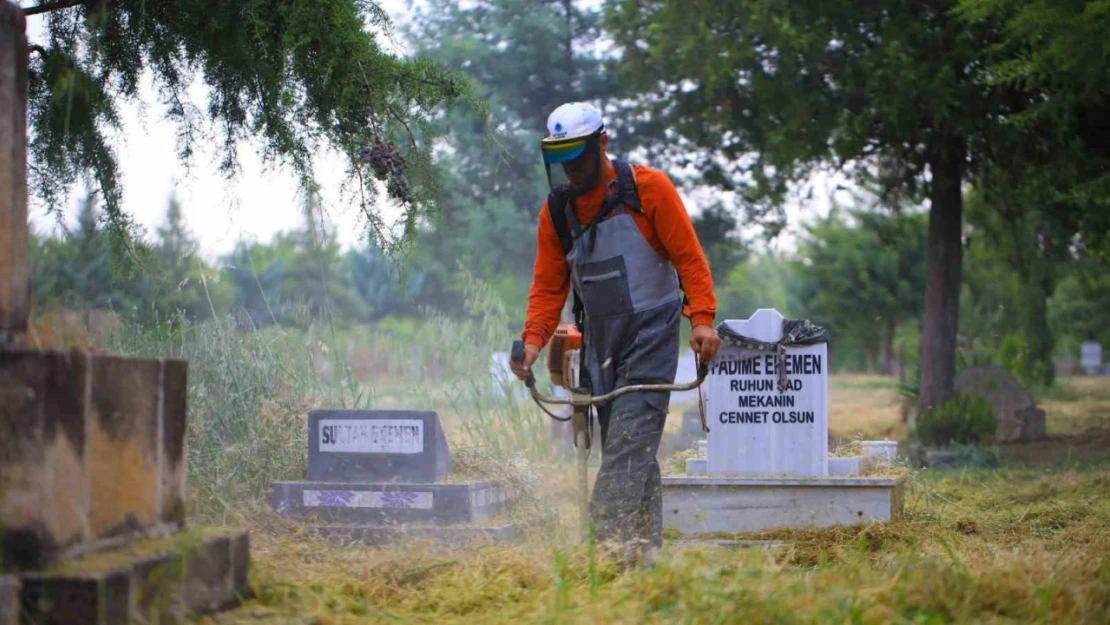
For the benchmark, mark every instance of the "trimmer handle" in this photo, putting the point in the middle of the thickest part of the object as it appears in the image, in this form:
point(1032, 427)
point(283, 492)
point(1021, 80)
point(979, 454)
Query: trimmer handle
point(517, 356)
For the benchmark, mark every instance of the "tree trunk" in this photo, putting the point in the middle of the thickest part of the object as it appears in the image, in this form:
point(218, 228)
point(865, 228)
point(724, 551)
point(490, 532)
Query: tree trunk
point(14, 267)
point(942, 288)
point(888, 347)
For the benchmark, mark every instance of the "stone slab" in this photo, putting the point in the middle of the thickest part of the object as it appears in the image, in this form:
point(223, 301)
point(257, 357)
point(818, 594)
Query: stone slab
point(374, 446)
point(385, 535)
point(758, 426)
point(695, 505)
point(9, 600)
point(79, 599)
point(91, 453)
point(696, 466)
point(464, 502)
point(123, 448)
point(165, 581)
point(846, 466)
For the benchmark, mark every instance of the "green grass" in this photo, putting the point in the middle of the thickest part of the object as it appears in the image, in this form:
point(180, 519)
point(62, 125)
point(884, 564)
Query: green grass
point(1027, 542)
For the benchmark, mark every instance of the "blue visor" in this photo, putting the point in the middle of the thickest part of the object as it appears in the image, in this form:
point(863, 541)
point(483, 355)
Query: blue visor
point(563, 152)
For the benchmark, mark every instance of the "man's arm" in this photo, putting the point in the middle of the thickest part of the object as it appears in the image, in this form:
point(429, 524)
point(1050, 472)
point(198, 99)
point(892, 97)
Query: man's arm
point(677, 236)
point(550, 284)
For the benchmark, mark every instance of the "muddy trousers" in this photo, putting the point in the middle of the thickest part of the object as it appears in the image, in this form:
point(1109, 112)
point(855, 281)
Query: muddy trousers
point(627, 502)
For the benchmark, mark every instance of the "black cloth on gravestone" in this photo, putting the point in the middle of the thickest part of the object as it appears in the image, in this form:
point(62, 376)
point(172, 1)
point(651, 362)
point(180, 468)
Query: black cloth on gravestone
point(794, 332)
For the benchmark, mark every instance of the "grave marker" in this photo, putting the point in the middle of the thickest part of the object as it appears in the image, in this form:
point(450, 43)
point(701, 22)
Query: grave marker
point(1090, 357)
point(376, 446)
point(759, 426)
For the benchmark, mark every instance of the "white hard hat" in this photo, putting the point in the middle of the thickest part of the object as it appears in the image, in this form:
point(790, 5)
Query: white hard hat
point(573, 120)
point(566, 124)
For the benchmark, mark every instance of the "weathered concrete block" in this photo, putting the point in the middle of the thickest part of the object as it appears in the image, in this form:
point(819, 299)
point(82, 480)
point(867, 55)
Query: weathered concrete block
point(208, 576)
point(695, 505)
point(156, 587)
point(404, 446)
point(465, 502)
point(446, 536)
point(123, 460)
point(43, 484)
point(696, 466)
point(9, 600)
point(845, 466)
point(155, 581)
point(91, 452)
point(175, 401)
point(80, 599)
point(240, 566)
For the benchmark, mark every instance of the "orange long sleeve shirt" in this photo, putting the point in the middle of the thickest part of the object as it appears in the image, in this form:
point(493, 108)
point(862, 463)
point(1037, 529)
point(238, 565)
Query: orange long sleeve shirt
point(666, 226)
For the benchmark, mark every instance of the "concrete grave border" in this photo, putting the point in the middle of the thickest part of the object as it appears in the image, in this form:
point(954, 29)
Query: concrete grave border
point(707, 504)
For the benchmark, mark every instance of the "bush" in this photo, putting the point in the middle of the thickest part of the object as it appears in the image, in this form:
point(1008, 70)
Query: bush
point(961, 419)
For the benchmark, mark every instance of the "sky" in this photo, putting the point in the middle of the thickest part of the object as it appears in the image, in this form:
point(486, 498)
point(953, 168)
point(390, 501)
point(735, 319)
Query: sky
point(260, 200)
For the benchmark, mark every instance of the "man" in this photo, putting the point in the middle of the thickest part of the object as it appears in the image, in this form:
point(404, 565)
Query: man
point(621, 237)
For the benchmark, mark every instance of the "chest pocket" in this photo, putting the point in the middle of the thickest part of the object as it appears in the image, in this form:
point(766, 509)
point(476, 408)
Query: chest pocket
point(605, 290)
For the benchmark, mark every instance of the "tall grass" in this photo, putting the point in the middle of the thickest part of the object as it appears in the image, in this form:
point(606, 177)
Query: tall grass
point(250, 390)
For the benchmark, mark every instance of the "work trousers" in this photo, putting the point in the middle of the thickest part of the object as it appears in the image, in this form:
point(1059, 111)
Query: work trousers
point(627, 504)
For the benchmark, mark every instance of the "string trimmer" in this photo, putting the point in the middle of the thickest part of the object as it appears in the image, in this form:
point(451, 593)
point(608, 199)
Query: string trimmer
point(564, 363)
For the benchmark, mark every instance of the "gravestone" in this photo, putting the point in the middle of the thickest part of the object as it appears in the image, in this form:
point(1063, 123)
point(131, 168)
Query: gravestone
point(1090, 357)
point(757, 425)
point(380, 475)
point(376, 446)
point(1015, 412)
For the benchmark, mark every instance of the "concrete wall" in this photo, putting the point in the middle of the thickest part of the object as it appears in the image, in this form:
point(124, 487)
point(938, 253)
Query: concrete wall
point(92, 452)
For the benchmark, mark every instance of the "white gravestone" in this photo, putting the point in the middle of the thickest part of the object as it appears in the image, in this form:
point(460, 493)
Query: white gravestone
point(1090, 357)
point(756, 428)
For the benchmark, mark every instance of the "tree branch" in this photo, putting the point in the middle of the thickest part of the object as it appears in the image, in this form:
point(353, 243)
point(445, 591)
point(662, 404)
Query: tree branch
point(47, 7)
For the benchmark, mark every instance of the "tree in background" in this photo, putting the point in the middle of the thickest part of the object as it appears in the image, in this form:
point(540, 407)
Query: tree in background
point(384, 286)
point(718, 230)
point(865, 278)
point(525, 57)
point(180, 283)
point(300, 75)
point(76, 270)
point(902, 92)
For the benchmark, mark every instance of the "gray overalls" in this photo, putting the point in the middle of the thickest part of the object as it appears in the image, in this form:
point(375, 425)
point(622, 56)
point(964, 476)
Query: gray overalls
point(633, 308)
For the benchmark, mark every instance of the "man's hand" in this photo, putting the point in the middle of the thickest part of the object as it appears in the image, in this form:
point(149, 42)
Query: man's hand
point(524, 369)
point(705, 342)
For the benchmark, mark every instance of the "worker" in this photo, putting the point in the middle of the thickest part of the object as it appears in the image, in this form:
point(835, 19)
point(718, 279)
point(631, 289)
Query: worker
point(620, 236)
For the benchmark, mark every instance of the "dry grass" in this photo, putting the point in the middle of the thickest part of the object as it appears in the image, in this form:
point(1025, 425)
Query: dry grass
point(1028, 542)
point(866, 407)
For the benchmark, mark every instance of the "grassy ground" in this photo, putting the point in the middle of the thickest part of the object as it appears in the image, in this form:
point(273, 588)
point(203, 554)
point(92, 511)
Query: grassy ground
point(1026, 542)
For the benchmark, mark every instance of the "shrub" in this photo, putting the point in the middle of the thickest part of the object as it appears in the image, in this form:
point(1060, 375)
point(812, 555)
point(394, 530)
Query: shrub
point(960, 419)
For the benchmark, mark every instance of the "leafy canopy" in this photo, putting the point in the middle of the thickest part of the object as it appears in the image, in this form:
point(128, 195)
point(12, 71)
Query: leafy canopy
point(299, 75)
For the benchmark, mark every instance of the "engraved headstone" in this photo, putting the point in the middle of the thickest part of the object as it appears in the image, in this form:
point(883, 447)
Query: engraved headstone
point(380, 446)
point(1090, 357)
point(757, 426)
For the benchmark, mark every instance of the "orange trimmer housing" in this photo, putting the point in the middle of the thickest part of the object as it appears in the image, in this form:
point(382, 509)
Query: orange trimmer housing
point(565, 344)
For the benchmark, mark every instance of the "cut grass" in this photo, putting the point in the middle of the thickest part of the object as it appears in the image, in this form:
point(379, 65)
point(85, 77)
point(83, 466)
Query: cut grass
point(1028, 542)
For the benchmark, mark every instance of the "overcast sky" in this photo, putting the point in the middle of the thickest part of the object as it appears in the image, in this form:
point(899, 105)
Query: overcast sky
point(256, 204)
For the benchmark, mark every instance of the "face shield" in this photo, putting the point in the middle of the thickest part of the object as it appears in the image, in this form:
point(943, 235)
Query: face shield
point(573, 165)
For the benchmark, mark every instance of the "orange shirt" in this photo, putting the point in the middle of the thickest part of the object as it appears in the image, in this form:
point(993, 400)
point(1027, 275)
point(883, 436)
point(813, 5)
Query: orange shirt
point(666, 227)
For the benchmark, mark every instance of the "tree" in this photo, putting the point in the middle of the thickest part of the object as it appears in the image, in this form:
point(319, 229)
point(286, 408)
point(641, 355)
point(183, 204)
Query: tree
point(864, 279)
point(77, 271)
point(525, 57)
point(179, 282)
point(718, 232)
point(768, 91)
point(298, 74)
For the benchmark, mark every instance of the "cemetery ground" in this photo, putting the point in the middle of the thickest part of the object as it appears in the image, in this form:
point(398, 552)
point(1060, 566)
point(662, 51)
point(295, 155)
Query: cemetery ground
point(1027, 540)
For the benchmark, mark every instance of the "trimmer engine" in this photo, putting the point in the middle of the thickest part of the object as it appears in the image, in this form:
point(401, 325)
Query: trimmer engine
point(564, 357)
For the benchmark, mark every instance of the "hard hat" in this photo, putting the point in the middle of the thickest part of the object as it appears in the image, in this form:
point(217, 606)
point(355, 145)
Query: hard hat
point(568, 128)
